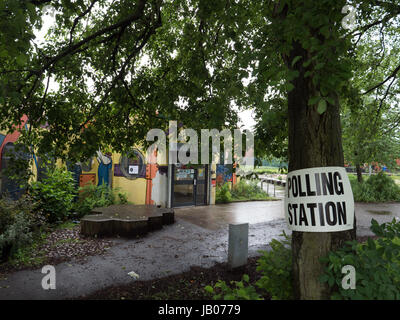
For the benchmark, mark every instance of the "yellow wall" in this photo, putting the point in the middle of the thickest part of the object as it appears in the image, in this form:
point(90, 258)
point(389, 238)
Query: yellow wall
point(134, 189)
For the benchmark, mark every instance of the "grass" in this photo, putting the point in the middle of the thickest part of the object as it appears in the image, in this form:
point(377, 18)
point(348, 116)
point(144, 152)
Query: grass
point(253, 198)
point(269, 170)
point(242, 191)
point(66, 225)
point(72, 240)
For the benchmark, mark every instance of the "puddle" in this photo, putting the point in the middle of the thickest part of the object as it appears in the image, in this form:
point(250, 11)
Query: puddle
point(379, 212)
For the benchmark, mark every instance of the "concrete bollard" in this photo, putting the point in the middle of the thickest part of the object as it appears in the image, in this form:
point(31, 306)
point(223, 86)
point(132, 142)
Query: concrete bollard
point(238, 247)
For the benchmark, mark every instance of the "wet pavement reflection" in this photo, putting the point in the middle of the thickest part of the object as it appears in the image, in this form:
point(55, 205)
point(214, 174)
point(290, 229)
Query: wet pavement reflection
point(219, 216)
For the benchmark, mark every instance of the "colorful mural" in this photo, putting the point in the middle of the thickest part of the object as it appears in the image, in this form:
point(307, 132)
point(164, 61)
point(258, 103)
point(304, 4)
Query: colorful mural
point(104, 169)
point(224, 173)
point(143, 183)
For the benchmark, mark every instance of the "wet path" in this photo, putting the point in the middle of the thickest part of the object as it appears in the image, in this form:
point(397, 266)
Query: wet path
point(219, 216)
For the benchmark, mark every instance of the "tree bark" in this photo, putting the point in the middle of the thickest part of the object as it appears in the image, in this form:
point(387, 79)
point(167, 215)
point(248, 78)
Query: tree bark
point(314, 141)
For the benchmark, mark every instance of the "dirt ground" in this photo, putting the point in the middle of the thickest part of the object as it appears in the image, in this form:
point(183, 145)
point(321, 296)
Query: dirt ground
point(188, 285)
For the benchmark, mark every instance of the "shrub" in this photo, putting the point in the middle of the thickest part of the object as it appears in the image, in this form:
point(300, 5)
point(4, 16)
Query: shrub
point(377, 188)
point(91, 196)
point(223, 194)
point(243, 190)
point(275, 267)
point(17, 222)
point(240, 290)
point(54, 195)
point(247, 189)
point(376, 262)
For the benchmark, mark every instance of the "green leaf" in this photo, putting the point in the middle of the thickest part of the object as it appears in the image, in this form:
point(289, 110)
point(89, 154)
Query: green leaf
point(21, 59)
point(322, 105)
point(295, 60)
point(209, 289)
point(313, 100)
point(330, 100)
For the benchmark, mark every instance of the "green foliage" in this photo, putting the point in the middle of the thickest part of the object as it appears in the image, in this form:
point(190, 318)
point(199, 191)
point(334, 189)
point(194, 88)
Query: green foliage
point(239, 290)
point(245, 189)
point(92, 196)
point(275, 267)
point(223, 193)
point(377, 188)
point(271, 129)
point(376, 262)
point(241, 191)
point(18, 165)
point(54, 195)
point(270, 170)
point(17, 224)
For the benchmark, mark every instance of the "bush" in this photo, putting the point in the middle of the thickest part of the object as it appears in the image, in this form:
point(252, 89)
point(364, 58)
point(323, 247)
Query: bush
point(243, 190)
point(377, 188)
point(91, 196)
point(54, 195)
point(376, 262)
point(17, 224)
point(247, 189)
point(275, 267)
point(240, 290)
point(223, 194)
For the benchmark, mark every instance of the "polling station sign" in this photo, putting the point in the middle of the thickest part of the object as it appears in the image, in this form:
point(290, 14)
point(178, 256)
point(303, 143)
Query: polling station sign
point(319, 200)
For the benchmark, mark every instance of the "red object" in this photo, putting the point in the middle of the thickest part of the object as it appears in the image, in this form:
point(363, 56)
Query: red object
point(13, 136)
point(86, 179)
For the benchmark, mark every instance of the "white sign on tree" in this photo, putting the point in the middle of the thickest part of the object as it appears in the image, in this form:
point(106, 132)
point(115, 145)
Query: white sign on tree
point(319, 200)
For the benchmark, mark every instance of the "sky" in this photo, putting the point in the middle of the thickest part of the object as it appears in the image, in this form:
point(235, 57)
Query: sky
point(246, 118)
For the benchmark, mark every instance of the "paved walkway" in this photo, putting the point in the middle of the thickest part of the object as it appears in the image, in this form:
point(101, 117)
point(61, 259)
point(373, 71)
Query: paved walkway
point(199, 237)
point(220, 216)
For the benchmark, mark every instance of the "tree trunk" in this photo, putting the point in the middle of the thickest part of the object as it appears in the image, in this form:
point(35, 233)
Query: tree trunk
point(359, 173)
point(314, 141)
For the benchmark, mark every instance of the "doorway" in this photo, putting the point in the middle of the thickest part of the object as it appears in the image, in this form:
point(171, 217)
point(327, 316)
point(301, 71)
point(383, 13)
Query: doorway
point(189, 185)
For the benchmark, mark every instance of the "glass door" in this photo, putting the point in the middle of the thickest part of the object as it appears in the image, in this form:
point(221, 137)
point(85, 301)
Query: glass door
point(201, 186)
point(183, 186)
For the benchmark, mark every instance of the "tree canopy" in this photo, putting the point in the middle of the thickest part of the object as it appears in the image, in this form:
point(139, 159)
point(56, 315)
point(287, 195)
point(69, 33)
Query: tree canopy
point(123, 67)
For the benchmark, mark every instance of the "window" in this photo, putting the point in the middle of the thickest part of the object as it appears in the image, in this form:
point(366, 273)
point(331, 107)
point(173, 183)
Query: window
point(132, 165)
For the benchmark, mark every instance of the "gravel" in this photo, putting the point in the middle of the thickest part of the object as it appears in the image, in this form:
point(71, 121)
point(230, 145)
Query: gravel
point(61, 245)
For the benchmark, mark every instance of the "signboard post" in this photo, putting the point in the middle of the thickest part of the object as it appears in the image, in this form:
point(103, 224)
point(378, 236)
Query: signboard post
point(319, 200)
